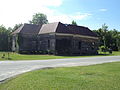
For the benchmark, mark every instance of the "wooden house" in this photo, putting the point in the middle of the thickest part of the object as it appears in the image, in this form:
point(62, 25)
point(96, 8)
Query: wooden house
point(55, 38)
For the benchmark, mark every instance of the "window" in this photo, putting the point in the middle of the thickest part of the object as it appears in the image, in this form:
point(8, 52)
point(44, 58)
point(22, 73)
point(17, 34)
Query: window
point(79, 46)
point(48, 44)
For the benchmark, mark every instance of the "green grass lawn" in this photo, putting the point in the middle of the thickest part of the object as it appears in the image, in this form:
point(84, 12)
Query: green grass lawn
point(16, 56)
point(115, 53)
point(95, 77)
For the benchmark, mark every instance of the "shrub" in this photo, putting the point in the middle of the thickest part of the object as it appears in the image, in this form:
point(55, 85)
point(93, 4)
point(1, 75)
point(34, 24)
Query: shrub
point(103, 49)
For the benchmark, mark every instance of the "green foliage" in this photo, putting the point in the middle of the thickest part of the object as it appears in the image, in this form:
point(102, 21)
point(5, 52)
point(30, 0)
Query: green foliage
point(95, 77)
point(104, 30)
point(74, 22)
point(109, 38)
point(5, 39)
point(39, 19)
point(103, 49)
point(16, 26)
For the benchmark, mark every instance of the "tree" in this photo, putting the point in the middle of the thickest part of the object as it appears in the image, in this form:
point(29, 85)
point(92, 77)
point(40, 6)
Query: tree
point(116, 35)
point(39, 19)
point(10, 29)
point(108, 38)
point(74, 22)
point(16, 26)
point(104, 30)
point(5, 43)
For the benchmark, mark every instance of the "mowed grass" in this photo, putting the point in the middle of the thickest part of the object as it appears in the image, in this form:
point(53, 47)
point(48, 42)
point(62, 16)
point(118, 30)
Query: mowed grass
point(16, 56)
point(95, 77)
point(114, 53)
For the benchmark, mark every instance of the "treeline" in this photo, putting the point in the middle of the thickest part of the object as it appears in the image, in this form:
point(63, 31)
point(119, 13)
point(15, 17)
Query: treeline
point(5, 38)
point(109, 39)
point(5, 33)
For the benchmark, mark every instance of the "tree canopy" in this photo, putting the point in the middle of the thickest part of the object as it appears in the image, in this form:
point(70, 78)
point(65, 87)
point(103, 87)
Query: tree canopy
point(16, 26)
point(109, 38)
point(74, 22)
point(39, 19)
point(5, 42)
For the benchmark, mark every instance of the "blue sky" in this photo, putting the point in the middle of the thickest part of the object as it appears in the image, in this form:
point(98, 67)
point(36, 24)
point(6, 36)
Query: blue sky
point(100, 11)
point(89, 13)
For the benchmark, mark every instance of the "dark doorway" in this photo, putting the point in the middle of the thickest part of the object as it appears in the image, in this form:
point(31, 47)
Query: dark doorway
point(79, 45)
point(63, 46)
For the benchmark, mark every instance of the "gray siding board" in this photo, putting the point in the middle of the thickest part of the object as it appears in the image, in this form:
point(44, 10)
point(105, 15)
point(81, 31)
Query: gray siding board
point(56, 44)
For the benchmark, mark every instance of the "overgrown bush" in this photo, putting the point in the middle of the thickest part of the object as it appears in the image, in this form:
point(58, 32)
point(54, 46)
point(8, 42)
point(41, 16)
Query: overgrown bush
point(103, 48)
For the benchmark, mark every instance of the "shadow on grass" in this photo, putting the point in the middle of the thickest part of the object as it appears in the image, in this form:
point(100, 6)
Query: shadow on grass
point(69, 55)
point(13, 55)
point(85, 55)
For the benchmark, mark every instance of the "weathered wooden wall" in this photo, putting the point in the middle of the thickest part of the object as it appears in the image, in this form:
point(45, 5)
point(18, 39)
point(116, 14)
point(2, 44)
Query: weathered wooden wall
point(46, 43)
point(77, 45)
point(55, 44)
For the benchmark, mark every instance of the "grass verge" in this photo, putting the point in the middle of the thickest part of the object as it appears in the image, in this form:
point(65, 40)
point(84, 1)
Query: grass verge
point(95, 77)
point(16, 56)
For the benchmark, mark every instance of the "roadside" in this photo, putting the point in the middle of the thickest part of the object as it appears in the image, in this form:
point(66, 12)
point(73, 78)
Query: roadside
point(95, 77)
point(16, 56)
point(11, 68)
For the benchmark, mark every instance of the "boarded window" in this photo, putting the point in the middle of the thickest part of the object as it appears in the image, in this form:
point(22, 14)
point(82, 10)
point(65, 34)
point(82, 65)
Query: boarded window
point(79, 45)
point(48, 44)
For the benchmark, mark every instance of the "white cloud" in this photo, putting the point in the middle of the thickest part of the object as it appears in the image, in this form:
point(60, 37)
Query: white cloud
point(20, 11)
point(65, 18)
point(80, 16)
point(103, 10)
